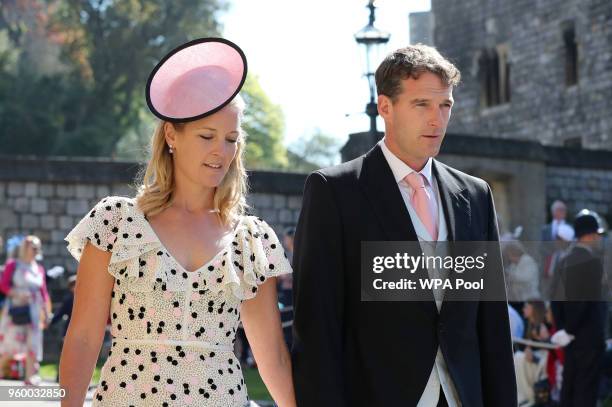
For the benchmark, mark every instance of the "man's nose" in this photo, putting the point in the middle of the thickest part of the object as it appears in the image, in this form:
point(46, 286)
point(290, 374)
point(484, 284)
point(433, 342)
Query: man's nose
point(436, 119)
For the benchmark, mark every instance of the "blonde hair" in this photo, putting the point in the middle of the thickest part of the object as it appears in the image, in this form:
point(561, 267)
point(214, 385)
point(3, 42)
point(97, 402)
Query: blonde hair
point(29, 240)
point(157, 181)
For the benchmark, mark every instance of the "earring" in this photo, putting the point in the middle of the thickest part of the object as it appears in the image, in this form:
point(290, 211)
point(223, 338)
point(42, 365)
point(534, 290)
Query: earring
point(170, 150)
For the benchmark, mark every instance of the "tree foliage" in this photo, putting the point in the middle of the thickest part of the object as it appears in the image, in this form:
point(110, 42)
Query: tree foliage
point(264, 124)
point(318, 150)
point(107, 49)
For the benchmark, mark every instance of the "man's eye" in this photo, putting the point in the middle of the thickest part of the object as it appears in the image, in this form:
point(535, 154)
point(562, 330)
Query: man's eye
point(206, 136)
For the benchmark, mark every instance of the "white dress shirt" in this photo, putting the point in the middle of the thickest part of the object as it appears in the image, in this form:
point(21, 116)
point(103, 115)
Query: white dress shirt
point(554, 229)
point(439, 375)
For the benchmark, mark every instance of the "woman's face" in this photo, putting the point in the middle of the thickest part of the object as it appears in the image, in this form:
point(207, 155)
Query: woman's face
point(205, 148)
point(527, 310)
point(31, 249)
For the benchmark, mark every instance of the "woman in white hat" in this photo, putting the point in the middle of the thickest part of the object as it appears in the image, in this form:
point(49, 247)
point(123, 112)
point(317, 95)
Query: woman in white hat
point(180, 266)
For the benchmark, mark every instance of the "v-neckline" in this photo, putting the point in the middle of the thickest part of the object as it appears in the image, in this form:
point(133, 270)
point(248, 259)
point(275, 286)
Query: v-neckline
point(174, 260)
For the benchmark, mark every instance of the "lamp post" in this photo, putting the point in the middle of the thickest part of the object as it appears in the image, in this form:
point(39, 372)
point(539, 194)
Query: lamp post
point(373, 39)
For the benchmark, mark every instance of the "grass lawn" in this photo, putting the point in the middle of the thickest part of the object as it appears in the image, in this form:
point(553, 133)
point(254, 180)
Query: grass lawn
point(257, 390)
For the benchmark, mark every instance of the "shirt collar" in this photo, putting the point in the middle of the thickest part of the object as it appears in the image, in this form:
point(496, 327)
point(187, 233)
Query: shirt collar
point(400, 169)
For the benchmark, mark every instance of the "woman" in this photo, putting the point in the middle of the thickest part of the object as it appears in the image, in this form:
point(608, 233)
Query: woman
point(26, 310)
point(180, 266)
point(521, 273)
point(530, 364)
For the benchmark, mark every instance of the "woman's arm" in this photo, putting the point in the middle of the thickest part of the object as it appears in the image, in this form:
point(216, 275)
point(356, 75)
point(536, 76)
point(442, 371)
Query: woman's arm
point(7, 277)
point(44, 292)
point(262, 325)
point(86, 330)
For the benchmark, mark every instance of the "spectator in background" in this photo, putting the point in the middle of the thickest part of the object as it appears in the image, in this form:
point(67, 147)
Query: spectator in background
point(558, 211)
point(517, 326)
point(530, 364)
point(65, 311)
point(2, 296)
point(552, 242)
point(521, 274)
point(26, 312)
point(285, 282)
point(554, 362)
point(551, 282)
point(285, 289)
point(580, 318)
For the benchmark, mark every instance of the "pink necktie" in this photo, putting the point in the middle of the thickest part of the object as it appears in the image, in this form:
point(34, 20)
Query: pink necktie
point(421, 202)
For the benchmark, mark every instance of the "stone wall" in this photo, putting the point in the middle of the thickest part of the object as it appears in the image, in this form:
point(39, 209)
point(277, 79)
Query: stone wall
point(541, 108)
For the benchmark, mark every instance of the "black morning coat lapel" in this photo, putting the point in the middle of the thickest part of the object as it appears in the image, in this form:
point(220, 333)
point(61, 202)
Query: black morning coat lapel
point(378, 184)
point(456, 207)
point(455, 203)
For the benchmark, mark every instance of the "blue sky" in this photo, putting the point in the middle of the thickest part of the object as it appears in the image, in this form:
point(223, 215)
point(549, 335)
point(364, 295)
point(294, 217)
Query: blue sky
point(307, 60)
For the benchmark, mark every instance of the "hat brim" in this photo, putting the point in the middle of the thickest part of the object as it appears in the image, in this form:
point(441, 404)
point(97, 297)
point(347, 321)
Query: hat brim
point(196, 80)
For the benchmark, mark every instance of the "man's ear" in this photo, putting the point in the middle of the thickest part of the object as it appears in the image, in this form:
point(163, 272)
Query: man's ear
point(384, 106)
point(170, 134)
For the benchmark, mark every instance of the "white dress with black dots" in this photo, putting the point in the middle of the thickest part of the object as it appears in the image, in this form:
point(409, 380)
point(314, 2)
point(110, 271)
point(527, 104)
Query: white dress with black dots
point(173, 331)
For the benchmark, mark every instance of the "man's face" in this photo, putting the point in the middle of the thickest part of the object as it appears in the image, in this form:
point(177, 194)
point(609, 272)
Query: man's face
point(560, 213)
point(415, 123)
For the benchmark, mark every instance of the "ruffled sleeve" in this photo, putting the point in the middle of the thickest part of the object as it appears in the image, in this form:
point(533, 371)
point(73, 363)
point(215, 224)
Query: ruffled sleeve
point(256, 255)
point(99, 227)
point(114, 225)
point(271, 260)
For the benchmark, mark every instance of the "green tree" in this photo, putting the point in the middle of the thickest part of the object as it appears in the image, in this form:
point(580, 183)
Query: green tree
point(264, 124)
point(109, 47)
point(315, 151)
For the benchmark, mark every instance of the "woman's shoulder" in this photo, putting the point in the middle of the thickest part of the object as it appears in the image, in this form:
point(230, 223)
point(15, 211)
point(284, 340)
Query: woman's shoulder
point(253, 221)
point(101, 224)
point(112, 210)
point(115, 203)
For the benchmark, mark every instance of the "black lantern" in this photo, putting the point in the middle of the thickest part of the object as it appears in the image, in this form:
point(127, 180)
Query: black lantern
point(373, 39)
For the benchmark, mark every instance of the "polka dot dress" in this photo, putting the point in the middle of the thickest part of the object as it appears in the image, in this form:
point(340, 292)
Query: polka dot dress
point(173, 331)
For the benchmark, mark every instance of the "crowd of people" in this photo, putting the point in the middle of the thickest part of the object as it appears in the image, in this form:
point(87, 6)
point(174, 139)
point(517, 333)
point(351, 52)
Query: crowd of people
point(557, 295)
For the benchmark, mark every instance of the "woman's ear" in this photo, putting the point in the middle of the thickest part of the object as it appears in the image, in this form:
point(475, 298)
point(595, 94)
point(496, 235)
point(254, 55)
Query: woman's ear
point(170, 134)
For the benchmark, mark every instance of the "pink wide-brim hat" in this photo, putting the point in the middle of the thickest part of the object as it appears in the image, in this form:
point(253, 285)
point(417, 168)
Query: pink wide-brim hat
point(196, 80)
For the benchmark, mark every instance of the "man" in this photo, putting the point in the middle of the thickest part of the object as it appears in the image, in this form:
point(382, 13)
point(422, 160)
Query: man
point(352, 353)
point(552, 244)
point(581, 315)
point(558, 211)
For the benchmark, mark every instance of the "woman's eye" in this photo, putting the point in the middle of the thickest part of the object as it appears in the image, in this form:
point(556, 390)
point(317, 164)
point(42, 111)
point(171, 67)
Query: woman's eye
point(206, 136)
point(230, 140)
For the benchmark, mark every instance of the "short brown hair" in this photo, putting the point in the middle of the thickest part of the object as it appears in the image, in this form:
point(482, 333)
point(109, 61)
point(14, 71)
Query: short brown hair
point(411, 62)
